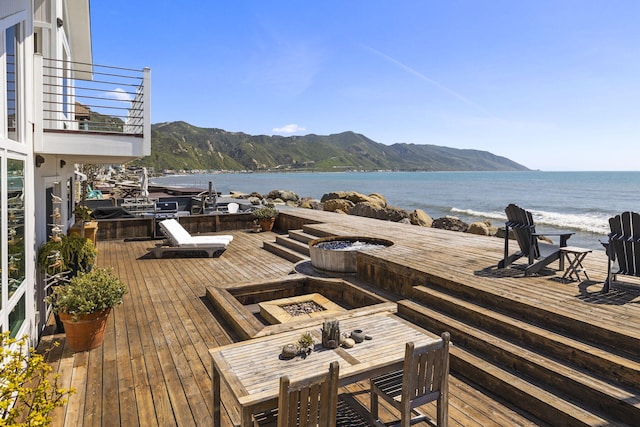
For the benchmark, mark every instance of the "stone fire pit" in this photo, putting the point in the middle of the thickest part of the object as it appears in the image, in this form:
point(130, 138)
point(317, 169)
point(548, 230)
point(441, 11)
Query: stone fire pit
point(338, 254)
point(300, 307)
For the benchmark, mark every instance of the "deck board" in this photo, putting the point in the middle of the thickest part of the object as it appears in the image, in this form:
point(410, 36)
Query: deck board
point(154, 367)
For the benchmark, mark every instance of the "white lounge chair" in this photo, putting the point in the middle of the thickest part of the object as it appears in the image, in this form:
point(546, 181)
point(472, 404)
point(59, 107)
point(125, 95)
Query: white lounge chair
point(179, 239)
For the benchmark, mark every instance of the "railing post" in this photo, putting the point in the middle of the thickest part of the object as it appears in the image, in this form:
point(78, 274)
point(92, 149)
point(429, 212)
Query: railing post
point(146, 106)
point(38, 113)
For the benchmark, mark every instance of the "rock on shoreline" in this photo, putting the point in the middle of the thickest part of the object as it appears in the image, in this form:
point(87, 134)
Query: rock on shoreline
point(371, 206)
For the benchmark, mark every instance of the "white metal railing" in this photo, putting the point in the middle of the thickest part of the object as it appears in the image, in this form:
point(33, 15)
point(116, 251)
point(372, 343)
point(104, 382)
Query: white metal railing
point(94, 98)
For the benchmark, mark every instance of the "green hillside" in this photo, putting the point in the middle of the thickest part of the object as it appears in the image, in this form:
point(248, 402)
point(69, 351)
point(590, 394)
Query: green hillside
point(179, 145)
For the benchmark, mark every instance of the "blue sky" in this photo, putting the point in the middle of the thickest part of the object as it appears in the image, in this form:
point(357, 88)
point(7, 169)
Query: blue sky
point(550, 84)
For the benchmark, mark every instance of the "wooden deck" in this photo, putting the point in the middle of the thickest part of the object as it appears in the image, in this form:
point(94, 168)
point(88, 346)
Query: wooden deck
point(154, 367)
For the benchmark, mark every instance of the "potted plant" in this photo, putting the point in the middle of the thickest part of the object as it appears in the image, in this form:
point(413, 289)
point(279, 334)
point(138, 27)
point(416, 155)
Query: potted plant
point(71, 253)
point(84, 305)
point(266, 215)
point(63, 259)
point(82, 213)
point(84, 225)
point(306, 343)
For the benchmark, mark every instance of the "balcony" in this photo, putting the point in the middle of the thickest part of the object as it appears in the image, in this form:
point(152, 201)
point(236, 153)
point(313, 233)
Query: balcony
point(92, 110)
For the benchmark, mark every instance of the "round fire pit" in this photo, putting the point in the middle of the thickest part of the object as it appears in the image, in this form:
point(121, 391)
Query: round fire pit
point(338, 254)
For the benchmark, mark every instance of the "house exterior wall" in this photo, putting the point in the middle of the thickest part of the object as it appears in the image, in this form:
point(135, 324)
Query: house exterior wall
point(17, 223)
point(38, 172)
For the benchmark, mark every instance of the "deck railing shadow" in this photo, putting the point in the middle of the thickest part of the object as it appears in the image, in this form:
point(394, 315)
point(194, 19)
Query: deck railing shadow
point(618, 295)
point(512, 271)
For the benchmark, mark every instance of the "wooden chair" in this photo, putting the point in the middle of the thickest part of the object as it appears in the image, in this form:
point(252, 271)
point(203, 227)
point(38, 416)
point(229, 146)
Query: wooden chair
point(623, 246)
point(310, 400)
point(313, 400)
point(424, 378)
point(524, 229)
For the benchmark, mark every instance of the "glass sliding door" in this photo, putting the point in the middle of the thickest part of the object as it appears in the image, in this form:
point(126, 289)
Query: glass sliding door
point(13, 283)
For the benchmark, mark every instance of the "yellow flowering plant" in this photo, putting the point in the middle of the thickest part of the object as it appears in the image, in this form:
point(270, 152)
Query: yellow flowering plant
point(28, 390)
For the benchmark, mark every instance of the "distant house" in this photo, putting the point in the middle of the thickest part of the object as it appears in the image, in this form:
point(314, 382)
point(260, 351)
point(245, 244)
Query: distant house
point(51, 95)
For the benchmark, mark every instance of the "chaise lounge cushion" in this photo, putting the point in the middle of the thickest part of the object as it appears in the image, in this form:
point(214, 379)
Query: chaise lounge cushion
point(178, 236)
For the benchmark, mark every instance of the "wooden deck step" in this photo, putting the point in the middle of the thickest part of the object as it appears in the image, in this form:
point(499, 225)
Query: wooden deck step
point(535, 305)
point(547, 406)
point(317, 230)
point(292, 247)
point(302, 236)
point(527, 375)
point(292, 244)
point(601, 360)
point(284, 252)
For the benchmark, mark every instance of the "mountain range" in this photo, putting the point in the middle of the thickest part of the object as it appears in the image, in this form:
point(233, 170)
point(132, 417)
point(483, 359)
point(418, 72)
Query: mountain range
point(182, 146)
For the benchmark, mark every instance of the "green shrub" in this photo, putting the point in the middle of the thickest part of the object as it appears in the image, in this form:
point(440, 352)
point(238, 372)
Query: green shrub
point(82, 213)
point(265, 212)
point(88, 293)
point(28, 391)
point(77, 254)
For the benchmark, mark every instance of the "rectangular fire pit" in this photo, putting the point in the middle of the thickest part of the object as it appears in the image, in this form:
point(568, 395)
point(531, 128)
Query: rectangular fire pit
point(293, 308)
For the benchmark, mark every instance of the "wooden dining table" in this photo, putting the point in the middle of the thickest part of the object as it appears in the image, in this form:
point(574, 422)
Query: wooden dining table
point(250, 370)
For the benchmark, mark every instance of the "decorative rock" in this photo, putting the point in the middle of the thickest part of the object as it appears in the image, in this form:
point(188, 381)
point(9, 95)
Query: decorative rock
point(368, 337)
point(421, 218)
point(501, 231)
point(369, 210)
point(284, 195)
point(380, 197)
point(357, 335)
point(348, 343)
point(308, 203)
point(355, 197)
point(343, 195)
point(450, 223)
point(483, 228)
point(334, 205)
point(289, 351)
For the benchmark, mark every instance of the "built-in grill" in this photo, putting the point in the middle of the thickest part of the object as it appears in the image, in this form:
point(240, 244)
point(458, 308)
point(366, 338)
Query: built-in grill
point(165, 210)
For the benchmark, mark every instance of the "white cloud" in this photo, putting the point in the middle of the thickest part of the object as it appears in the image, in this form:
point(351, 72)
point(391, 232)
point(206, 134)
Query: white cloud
point(120, 95)
point(292, 128)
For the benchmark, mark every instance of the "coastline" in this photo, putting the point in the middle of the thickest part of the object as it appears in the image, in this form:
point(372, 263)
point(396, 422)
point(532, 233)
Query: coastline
point(581, 202)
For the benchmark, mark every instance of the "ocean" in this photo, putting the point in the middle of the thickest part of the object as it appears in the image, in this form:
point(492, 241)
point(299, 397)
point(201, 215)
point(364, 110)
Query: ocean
point(581, 202)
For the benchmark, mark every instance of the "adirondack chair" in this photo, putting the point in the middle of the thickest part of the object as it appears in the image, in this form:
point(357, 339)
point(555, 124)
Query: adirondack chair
point(623, 246)
point(524, 229)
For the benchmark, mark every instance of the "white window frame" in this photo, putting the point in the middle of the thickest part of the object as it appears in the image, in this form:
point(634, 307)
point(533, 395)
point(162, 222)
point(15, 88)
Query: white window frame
point(8, 304)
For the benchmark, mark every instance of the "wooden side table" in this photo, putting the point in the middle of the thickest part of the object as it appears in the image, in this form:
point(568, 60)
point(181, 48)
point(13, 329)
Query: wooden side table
point(574, 255)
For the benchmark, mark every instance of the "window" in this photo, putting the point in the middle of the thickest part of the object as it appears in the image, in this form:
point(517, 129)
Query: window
point(15, 225)
point(17, 316)
point(12, 66)
point(13, 309)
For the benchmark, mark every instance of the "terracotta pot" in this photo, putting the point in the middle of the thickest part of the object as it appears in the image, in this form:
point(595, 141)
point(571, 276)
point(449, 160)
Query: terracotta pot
point(267, 224)
point(88, 332)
